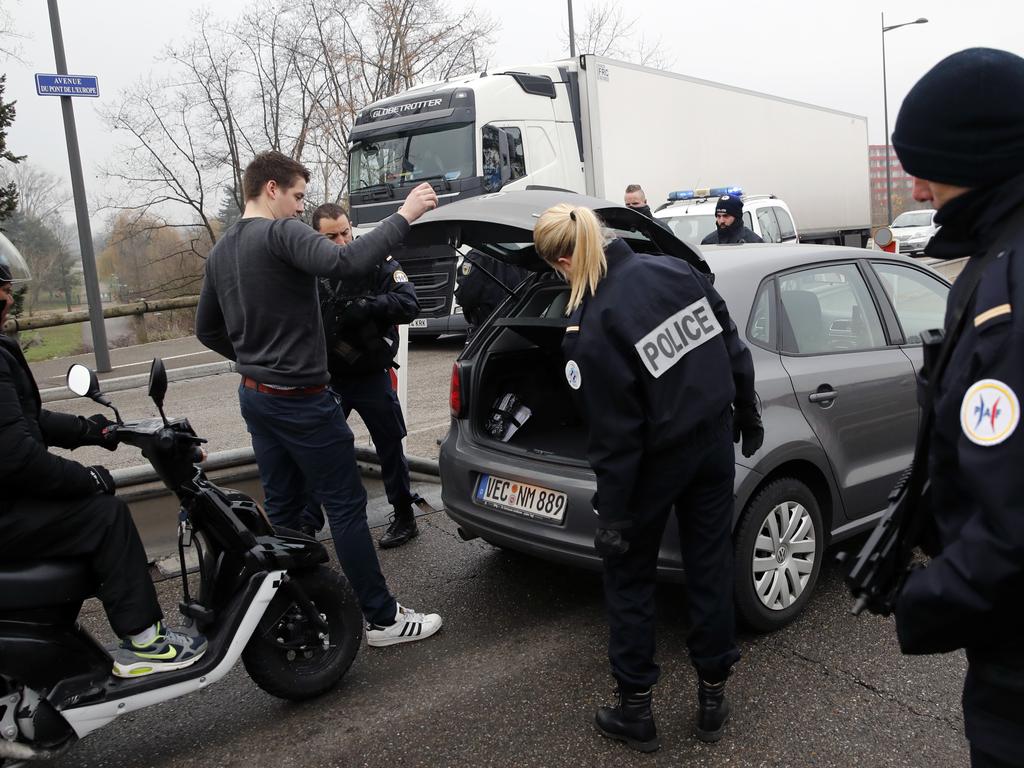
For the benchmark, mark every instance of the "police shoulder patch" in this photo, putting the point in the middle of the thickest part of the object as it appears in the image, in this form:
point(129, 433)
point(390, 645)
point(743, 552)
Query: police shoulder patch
point(989, 413)
point(467, 267)
point(400, 276)
point(573, 375)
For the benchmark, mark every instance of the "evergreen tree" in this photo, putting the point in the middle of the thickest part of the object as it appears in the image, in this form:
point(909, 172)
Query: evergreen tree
point(9, 193)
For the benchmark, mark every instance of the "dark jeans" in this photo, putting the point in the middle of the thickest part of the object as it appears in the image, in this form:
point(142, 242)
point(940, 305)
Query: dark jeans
point(303, 442)
point(697, 480)
point(981, 759)
point(374, 399)
point(96, 528)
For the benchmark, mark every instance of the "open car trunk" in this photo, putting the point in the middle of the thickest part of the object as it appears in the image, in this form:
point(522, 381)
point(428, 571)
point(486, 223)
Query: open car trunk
point(522, 357)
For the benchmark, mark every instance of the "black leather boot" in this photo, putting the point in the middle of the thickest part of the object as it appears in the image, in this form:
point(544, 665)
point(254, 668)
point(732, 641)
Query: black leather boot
point(402, 528)
point(630, 721)
point(712, 710)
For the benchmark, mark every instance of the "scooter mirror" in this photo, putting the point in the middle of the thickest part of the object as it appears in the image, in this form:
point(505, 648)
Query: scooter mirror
point(158, 382)
point(883, 237)
point(82, 381)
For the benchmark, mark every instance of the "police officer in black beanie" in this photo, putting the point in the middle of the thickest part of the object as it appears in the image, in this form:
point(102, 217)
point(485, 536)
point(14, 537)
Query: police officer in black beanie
point(729, 229)
point(960, 134)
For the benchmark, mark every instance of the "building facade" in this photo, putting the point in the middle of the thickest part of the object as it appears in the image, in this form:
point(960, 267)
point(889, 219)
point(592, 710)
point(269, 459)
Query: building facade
point(902, 185)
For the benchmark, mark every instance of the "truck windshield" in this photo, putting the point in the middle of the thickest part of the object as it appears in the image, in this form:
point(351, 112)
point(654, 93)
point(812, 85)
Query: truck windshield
point(408, 157)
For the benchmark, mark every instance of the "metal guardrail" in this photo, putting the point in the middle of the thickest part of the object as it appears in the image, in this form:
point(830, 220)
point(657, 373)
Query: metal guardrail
point(135, 308)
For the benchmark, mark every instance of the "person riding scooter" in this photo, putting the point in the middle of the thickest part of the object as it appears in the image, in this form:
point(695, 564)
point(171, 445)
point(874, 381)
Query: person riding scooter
point(52, 507)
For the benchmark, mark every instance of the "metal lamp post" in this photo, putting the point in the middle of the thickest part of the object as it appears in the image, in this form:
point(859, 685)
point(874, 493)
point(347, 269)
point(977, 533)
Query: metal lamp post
point(572, 34)
point(885, 99)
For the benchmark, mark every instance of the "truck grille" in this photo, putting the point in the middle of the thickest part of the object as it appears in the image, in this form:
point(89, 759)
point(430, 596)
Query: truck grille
point(432, 271)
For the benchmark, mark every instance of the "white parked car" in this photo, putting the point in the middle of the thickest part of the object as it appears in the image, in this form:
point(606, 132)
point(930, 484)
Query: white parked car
point(914, 229)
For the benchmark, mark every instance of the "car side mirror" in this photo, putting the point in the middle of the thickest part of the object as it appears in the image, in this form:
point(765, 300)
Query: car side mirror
point(883, 238)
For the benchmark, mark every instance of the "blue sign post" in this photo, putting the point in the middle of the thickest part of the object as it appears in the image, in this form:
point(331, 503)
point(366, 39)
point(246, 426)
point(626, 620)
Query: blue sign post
point(67, 85)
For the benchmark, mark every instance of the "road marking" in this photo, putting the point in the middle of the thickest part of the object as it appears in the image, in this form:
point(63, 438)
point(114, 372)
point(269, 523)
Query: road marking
point(165, 359)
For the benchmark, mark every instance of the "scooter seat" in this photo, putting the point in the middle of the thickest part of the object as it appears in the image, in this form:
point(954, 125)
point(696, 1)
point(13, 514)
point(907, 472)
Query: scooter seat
point(44, 583)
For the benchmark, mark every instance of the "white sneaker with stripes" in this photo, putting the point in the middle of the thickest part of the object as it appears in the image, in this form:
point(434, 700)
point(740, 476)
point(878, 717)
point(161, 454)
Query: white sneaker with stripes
point(409, 626)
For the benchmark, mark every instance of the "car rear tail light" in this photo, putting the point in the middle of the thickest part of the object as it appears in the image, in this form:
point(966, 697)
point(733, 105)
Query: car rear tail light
point(455, 401)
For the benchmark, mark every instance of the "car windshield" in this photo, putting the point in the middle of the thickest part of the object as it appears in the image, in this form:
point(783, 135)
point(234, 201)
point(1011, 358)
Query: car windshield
point(913, 219)
point(406, 158)
point(691, 229)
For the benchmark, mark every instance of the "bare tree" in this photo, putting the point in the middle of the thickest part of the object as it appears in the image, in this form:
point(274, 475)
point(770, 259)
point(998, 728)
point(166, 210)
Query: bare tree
point(285, 76)
point(41, 194)
point(608, 31)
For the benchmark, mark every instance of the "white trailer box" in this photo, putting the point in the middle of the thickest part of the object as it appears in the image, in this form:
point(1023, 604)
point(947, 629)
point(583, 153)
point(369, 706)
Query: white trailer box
point(666, 132)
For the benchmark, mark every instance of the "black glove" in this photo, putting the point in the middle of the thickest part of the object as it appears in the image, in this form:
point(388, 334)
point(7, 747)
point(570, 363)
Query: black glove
point(97, 432)
point(358, 310)
point(103, 479)
point(610, 542)
point(746, 423)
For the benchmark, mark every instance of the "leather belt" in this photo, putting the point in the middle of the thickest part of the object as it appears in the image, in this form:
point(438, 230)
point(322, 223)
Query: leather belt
point(269, 389)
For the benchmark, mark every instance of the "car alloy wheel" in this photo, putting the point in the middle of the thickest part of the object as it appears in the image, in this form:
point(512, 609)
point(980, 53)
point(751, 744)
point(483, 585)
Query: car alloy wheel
point(778, 548)
point(783, 555)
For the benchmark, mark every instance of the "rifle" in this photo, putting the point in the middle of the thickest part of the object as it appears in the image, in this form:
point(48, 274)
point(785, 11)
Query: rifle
point(881, 567)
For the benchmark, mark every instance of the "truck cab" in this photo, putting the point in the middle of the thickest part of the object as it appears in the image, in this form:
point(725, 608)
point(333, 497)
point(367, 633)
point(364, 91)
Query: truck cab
point(470, 136)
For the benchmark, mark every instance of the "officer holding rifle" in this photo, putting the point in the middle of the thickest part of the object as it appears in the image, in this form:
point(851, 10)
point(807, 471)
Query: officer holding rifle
point(960, 134)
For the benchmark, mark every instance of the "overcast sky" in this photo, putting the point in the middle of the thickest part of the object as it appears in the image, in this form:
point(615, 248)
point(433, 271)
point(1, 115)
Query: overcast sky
point(826, 52)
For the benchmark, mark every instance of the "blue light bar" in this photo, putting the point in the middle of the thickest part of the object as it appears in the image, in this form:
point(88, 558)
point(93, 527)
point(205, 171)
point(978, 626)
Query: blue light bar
point(693, 194)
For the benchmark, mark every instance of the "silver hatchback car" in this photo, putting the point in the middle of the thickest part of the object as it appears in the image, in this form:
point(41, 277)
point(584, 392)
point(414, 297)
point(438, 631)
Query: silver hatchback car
point(835, 337)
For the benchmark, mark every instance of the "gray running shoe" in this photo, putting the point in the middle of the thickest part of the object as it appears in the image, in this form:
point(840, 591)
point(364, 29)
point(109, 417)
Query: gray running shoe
point(172, 649)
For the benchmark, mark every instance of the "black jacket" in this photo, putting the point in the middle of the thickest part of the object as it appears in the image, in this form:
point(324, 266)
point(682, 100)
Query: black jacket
point(969, 595)
point(27, 468)
point(478, 294)
point(653, 355)
point(734, 235)
point(364, 344)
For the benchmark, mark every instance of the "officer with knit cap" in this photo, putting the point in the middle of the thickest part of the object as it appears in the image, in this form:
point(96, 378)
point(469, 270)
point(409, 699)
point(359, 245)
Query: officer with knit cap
point(960, 134)
point(729, 229)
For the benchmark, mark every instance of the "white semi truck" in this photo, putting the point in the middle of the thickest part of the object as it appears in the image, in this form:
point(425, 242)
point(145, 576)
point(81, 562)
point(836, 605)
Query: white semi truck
point(594, 125)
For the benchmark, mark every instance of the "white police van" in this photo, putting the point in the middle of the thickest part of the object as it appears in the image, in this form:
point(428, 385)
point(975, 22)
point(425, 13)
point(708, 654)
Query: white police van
point(690, 214)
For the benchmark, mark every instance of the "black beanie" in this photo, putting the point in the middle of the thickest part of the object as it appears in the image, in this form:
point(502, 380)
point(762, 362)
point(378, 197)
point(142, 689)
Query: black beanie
point(963, 122)
point(729, 205)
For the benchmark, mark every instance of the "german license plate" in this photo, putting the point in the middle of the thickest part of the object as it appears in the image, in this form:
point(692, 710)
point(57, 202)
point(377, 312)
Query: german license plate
point(522, 498)
point(419, 322)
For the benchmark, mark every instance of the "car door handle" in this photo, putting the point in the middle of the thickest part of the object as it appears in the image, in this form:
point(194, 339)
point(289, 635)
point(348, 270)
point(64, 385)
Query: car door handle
point(823, 395)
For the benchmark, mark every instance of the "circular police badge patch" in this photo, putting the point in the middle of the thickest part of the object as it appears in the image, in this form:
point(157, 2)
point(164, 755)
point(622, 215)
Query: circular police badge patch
point(572, 375)
point(466, 268)
point(989, 413)
point(401, 277)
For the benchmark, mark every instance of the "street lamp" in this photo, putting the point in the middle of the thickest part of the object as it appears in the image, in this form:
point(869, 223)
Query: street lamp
point(885, 98)
point(572, 34)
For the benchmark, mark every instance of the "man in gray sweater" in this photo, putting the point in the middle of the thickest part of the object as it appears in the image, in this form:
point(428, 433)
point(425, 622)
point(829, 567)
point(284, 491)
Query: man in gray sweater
point(259, 307)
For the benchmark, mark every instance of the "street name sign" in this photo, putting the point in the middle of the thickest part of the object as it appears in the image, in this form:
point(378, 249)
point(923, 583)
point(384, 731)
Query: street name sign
point(67, 85)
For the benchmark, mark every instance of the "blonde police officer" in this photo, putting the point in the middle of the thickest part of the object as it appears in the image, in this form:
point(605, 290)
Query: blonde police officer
point(662, 378)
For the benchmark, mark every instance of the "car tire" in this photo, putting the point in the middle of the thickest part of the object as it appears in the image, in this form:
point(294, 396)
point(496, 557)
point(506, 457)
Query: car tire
point(778, 549)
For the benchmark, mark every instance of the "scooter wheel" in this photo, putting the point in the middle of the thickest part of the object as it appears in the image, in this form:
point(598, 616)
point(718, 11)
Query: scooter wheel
point(290, 656)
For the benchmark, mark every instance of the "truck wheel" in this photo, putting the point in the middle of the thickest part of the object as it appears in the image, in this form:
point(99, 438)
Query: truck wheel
point(778, 548)
point(291, 657)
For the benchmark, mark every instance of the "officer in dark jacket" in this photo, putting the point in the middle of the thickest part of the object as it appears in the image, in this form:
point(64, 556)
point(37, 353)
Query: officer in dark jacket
point(52, 507)
point(362, 341)
point(485, 283)
point(729, 228)
point(961, 135)
point(662, 377)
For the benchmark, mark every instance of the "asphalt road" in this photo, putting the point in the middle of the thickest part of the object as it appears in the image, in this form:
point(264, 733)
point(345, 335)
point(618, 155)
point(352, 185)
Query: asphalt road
point(514, 676)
